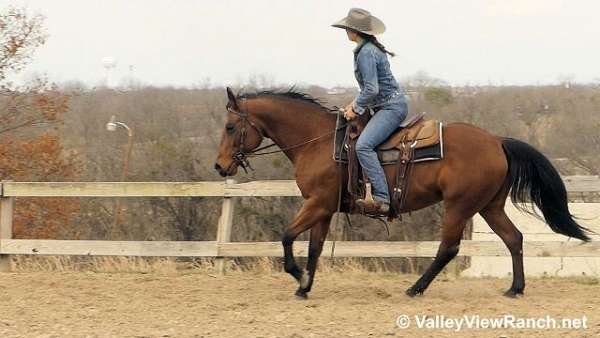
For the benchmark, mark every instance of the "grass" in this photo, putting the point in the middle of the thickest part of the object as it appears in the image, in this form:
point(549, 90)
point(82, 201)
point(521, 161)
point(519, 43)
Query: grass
point(106, 264)
point(261, 265)
point(169, 265)
point(172, 265)
point(587, 280)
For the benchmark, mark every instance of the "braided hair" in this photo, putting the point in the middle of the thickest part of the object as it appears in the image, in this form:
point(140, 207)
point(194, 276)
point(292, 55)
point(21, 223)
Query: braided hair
point(372, 39)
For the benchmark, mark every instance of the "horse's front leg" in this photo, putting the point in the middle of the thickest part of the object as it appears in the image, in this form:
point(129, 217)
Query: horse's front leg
point(318, 233)
point(310, 215)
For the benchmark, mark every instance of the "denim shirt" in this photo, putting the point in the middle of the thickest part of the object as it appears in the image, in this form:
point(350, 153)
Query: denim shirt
point(374, 76)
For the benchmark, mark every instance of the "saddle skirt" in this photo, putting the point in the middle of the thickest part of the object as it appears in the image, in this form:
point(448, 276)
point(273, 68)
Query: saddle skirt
point(426, 136)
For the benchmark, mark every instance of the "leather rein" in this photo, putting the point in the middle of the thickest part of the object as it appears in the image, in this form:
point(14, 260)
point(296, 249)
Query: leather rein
point(241, 155)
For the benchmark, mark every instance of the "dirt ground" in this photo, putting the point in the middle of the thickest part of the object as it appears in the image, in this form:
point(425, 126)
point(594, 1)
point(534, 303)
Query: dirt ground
point(253, 304)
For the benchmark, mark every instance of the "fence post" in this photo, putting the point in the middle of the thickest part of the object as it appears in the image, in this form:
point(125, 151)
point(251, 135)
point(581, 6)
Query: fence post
point(6, 220)
point(224, 228)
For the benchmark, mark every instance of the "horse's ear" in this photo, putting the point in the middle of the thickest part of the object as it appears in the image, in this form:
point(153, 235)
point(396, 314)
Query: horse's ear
point(232, 99)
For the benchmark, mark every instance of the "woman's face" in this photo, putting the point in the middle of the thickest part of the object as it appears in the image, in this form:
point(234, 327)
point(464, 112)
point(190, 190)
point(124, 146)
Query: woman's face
point(352, 35)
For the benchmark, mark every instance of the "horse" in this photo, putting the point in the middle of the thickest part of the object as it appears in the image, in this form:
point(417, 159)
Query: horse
point(476, 175)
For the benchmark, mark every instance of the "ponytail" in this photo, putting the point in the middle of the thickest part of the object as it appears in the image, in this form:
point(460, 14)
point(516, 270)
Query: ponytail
point(372, 39)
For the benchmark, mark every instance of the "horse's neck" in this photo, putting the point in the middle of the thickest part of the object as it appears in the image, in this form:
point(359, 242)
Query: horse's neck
point(288, 123)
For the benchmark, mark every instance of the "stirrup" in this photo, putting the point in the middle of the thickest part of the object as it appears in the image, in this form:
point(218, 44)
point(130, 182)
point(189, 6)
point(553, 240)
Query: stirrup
point(372, 207)
point(369, 206)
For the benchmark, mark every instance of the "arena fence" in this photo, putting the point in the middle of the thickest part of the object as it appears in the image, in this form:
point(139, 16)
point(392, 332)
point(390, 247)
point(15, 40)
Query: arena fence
point(222, 247)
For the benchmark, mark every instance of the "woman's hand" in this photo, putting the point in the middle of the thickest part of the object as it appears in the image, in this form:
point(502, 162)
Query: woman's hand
point(349, 114)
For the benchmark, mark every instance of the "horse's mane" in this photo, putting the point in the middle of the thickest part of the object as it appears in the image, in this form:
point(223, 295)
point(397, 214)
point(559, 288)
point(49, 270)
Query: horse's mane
point(291, 93)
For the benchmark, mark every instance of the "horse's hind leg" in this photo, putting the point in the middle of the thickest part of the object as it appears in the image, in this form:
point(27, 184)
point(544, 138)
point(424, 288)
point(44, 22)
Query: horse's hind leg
point(497, 219)
point(453, 225)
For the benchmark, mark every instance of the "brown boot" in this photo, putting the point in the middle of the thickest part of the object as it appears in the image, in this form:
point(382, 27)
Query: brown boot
point(373, 207)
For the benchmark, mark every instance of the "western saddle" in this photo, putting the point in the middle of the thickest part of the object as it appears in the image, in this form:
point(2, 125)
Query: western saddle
point(399, 149)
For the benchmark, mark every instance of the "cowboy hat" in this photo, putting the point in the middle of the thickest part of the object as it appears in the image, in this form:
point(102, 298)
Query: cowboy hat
point(361, 20)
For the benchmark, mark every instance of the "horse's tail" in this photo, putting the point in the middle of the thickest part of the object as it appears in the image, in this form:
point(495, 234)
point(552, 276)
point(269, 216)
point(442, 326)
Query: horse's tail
point(534, 180)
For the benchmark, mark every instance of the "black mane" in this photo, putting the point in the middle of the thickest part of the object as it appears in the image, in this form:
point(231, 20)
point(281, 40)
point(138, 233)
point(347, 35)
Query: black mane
point(291, 93)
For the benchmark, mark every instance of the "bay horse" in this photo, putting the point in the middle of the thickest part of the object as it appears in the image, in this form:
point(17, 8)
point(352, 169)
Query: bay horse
point(475, 176)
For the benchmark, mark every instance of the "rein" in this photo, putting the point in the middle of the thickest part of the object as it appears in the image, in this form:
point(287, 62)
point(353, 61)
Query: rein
point(241, 156)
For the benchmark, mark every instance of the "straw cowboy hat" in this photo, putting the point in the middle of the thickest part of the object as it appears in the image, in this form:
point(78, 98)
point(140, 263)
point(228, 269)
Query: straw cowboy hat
point(361, 20)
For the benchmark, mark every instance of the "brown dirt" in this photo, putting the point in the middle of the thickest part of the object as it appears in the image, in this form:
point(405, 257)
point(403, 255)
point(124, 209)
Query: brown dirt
point(354, 304)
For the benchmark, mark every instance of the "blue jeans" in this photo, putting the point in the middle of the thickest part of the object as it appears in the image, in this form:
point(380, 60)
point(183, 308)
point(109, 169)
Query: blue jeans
point(379, 128)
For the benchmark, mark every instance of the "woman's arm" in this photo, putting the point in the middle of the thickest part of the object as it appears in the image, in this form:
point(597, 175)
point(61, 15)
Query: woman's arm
point(367, 66)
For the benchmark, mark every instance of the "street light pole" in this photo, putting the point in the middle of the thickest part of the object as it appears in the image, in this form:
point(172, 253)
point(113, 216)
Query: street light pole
point(112, 125)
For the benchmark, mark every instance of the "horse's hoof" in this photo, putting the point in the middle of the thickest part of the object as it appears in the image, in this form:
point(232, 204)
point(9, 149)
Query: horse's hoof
point(304, 280)
point(510, 293)
point(301, 294)
point(412, 292)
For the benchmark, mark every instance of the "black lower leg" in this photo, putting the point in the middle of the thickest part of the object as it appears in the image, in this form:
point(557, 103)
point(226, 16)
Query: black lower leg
point(518, 285)
point(444, 255)
point(308, 276)
point(513, 239)
point(290, 265)
point(315, 247)
point(516, 251)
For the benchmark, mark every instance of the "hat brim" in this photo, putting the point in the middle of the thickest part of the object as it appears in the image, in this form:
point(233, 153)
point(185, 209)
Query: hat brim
point(377, 26)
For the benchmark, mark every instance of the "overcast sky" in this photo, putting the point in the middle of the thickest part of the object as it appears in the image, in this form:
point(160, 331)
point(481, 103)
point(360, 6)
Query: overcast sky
point(182, 42)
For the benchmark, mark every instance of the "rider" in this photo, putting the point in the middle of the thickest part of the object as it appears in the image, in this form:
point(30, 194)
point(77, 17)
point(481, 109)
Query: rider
point(378, 90)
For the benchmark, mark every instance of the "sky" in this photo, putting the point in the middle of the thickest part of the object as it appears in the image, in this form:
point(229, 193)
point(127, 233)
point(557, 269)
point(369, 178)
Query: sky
point(186, 42)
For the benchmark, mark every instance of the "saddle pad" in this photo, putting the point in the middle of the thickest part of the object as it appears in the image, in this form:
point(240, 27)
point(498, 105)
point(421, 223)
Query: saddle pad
point(391, 156)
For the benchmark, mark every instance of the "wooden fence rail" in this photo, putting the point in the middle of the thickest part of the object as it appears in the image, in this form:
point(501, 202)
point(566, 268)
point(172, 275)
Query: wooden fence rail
point(222, 247)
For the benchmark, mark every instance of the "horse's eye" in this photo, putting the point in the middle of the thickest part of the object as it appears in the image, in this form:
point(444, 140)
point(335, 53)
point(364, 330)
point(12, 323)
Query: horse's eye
point(229, 128)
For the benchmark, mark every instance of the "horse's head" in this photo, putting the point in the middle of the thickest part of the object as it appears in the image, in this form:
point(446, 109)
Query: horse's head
point(240, 136)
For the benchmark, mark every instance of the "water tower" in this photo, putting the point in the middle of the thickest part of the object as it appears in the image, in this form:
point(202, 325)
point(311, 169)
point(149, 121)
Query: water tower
point(109, 63)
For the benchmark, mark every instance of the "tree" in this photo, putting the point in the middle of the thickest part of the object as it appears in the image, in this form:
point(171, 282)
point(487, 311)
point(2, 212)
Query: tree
point(421, 79)
point(39, 159)
point(29, 147)
point(20, 35)
point(439, 96)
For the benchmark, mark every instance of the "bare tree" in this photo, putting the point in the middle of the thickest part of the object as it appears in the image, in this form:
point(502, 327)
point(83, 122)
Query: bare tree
point(37, 102)
point(20, 35)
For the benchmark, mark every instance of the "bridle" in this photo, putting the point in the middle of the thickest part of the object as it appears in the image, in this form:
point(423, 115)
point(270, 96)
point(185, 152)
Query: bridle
point(241, 155)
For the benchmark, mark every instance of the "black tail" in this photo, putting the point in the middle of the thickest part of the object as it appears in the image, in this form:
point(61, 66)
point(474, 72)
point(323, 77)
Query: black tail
point(533, 179)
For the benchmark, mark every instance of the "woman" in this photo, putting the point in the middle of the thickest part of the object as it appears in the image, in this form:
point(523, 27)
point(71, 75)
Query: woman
point(380, 93)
